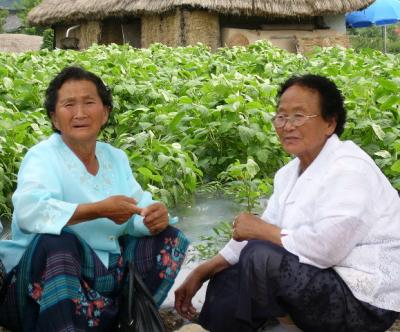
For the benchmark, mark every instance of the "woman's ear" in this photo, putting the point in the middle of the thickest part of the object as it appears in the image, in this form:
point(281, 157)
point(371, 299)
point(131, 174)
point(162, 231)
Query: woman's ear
point(332, 123)
point(106, 115)
point(54, 120)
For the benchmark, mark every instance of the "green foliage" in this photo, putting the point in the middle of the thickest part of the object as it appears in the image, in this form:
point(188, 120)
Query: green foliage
point(168, 172)
point(210, 245)
point(3, 18)
point(48, 39)
point(372, 37)
point(243, 185)
point(18, 131)
point(187, 117)
point(25, 6)
point(8, 3)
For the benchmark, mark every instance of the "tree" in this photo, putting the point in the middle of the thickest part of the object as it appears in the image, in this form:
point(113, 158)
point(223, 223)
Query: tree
point(3, 18)
point(25, 7)
point(372, 38)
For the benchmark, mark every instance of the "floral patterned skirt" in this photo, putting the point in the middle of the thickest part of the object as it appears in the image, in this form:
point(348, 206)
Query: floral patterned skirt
point(60, 283)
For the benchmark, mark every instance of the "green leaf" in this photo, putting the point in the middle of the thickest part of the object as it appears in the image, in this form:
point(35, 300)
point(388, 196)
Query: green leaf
point(185, 100)
point(383, 154)
point(177, 118)
point(163, 160)
point(245, 134)
point(8, 83)
point(389, 85)
point(252, 168)
point(396, 167)
point(145, 171)
point(378, 131)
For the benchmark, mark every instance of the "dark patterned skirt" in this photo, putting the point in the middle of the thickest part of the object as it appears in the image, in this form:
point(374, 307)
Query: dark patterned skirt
point(60, 283)
point(269, 282)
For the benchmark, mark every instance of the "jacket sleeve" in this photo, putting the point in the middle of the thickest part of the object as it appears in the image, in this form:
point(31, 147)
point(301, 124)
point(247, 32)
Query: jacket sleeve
point(135, 225)
point(38, 207)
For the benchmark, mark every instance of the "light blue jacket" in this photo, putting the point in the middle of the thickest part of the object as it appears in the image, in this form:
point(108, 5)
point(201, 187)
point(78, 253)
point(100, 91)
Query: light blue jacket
point(52, 181)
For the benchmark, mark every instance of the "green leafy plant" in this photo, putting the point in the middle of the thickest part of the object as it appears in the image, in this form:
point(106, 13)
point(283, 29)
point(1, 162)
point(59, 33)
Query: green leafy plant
point(189, 118)
point(3, 18)
point(373, 38)
point(48, 39)
point(210, 245)
point(242, 184)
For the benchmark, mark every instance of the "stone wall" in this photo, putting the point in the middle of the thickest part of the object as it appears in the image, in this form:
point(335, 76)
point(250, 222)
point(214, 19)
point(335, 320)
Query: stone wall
point(291, 38)
point(307, 44)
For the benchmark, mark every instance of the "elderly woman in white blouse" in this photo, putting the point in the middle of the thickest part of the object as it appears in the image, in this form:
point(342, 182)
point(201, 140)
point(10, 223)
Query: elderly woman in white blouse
point(326, 252)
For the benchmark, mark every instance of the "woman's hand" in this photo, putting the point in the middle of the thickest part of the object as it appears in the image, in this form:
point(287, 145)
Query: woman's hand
point(119, 208)
point(248, 226)
point(203, 272)
point(155, 217)
point(184, 295)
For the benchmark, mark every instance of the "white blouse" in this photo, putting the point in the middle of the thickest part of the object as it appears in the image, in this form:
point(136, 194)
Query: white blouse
point(342, 212)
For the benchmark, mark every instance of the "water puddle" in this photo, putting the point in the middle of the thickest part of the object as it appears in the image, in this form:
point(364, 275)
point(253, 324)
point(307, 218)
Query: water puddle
point(205, 212)
point(198, 217)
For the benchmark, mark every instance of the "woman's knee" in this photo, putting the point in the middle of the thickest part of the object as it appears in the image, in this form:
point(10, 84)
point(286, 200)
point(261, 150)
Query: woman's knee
point(170, 231)
point(262, 257)
point(65, 242)
point(257, 250)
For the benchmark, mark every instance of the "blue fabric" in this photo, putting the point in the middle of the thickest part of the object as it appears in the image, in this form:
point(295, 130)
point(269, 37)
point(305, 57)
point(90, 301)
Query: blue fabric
point(52, 181)
point(381, 12)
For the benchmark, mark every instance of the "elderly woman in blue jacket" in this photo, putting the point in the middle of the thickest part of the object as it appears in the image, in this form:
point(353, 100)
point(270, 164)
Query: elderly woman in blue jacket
point(79, 217)
point(326, 251)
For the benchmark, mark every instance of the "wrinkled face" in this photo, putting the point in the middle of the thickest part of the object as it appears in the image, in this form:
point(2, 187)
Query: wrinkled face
point(307, 140)
point(79, 112)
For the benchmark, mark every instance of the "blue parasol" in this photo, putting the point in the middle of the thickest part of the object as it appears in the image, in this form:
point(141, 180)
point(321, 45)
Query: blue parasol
point(381, 12)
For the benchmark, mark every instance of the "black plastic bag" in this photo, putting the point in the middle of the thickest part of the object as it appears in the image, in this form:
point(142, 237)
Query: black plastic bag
point(138, 311)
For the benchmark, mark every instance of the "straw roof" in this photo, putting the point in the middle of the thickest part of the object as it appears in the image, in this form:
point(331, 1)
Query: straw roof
point(54, 11)
point(17, 43)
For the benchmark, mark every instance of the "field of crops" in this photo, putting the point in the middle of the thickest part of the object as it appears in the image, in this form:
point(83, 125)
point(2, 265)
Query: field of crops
point(191, 119)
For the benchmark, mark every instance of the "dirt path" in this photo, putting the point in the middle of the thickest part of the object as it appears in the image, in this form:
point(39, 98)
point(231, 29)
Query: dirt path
point(395, 327)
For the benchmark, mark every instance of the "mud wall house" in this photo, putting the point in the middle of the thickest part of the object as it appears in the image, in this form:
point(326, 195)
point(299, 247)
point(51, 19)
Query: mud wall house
point(293, 25)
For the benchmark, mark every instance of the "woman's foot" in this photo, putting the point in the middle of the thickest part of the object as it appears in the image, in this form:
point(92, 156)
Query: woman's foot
point(191, 328)
point(286, 324)
point(282, 328)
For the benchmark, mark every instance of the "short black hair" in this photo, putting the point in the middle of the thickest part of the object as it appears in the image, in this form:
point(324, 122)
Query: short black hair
point(74, 73)
point(331, 99)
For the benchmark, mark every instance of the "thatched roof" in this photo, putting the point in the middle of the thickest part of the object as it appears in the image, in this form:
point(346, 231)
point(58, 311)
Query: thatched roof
point(17, 43)
point(53, 11)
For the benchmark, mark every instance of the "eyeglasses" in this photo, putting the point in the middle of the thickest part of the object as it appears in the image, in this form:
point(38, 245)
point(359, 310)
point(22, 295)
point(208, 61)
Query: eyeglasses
point(297, 119)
